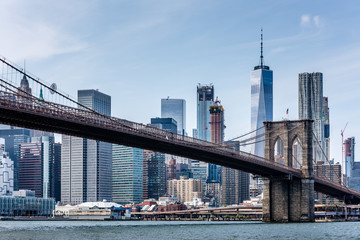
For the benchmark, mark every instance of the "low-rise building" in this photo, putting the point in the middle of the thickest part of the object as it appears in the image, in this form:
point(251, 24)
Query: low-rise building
point(185, 189)
point(93, 211)
point(172, 207)
point(23, 203)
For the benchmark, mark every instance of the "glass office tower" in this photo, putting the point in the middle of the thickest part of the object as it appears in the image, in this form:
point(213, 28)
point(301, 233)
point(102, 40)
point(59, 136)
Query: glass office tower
point(205, 97)
point(127, 183)
point(176, 109)
point(36, 170)
point(261, 101)
point(86, 164)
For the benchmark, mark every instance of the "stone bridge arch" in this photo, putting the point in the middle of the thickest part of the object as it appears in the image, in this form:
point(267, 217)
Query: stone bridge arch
point(288, 131)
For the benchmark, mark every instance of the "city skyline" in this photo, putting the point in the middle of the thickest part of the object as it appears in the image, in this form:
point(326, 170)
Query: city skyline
point(220, 49)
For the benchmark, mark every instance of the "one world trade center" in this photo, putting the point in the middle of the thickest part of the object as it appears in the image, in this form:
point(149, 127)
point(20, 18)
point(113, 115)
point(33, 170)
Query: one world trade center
point(261, 102)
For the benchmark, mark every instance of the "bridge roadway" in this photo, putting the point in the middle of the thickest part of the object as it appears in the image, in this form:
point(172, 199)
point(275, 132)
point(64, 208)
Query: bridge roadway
point(33, 113)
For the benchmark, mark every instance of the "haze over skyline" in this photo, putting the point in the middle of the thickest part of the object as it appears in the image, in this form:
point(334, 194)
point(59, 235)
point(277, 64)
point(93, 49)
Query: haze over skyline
point(141, 51)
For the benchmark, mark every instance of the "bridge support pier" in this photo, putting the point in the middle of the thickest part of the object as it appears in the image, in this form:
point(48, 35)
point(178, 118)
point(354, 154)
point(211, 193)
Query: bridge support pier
point(287, 199)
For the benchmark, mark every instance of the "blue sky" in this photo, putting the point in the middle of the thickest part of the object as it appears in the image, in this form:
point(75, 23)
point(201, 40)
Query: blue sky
point(141, 51)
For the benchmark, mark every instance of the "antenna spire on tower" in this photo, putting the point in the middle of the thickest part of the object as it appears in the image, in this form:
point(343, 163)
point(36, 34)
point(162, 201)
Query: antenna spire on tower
point(261, 55)
point(262, 64)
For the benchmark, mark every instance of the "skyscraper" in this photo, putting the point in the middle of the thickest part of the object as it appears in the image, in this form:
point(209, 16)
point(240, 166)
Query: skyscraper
point(205, 97)
point(31, 168)
point(326, 118)
point(127, 174)
point(168, 124)
point(217, 127)
point(261, 101)
point(95, 100)
point(330, 172)
point(13, 137)
point(199, 170)
point(235, 183)
point(85, 163)
point(355, 177)
point(176, 109)
point(311, 107)
point(57, 172)
point(36, 170)
point(261, 79)
point(154, 175)
point(349, 145)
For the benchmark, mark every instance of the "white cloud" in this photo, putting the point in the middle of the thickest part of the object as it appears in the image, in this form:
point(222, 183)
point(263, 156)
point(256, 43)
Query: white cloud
point(305, 20)
point(24, 36)
point(316, 20)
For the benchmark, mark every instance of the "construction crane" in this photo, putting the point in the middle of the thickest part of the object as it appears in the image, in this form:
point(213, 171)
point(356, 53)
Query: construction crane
point(342, 148)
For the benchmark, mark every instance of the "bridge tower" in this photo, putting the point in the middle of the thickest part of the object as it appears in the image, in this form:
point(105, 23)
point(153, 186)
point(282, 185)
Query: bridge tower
point(288, 199)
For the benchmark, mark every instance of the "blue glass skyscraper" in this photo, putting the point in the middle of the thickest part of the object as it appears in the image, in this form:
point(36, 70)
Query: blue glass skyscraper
point(205, 97)
point(261, 101)
point(176, 109)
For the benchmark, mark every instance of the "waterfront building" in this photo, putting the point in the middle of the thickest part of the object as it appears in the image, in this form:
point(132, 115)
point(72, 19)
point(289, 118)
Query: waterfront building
point(13, 137)
point(166, 200)
point(127, 174)
point(154, 175)
point(326, 118)
point(36, 162)
point(330, 172)
point(102, 210)
point(24, 203)
point(176, 109)
point(168, 124)
point(205, 97)
point(185, 189)
point(311, 107)
point(6, 174)
point(235, 183)
point(85, 163)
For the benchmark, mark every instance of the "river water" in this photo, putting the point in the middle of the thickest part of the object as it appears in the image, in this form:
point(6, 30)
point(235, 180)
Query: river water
point(175, 230)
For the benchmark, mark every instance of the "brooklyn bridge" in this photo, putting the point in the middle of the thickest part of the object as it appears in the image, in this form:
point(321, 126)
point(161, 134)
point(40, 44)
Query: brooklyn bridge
point(288, 186)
